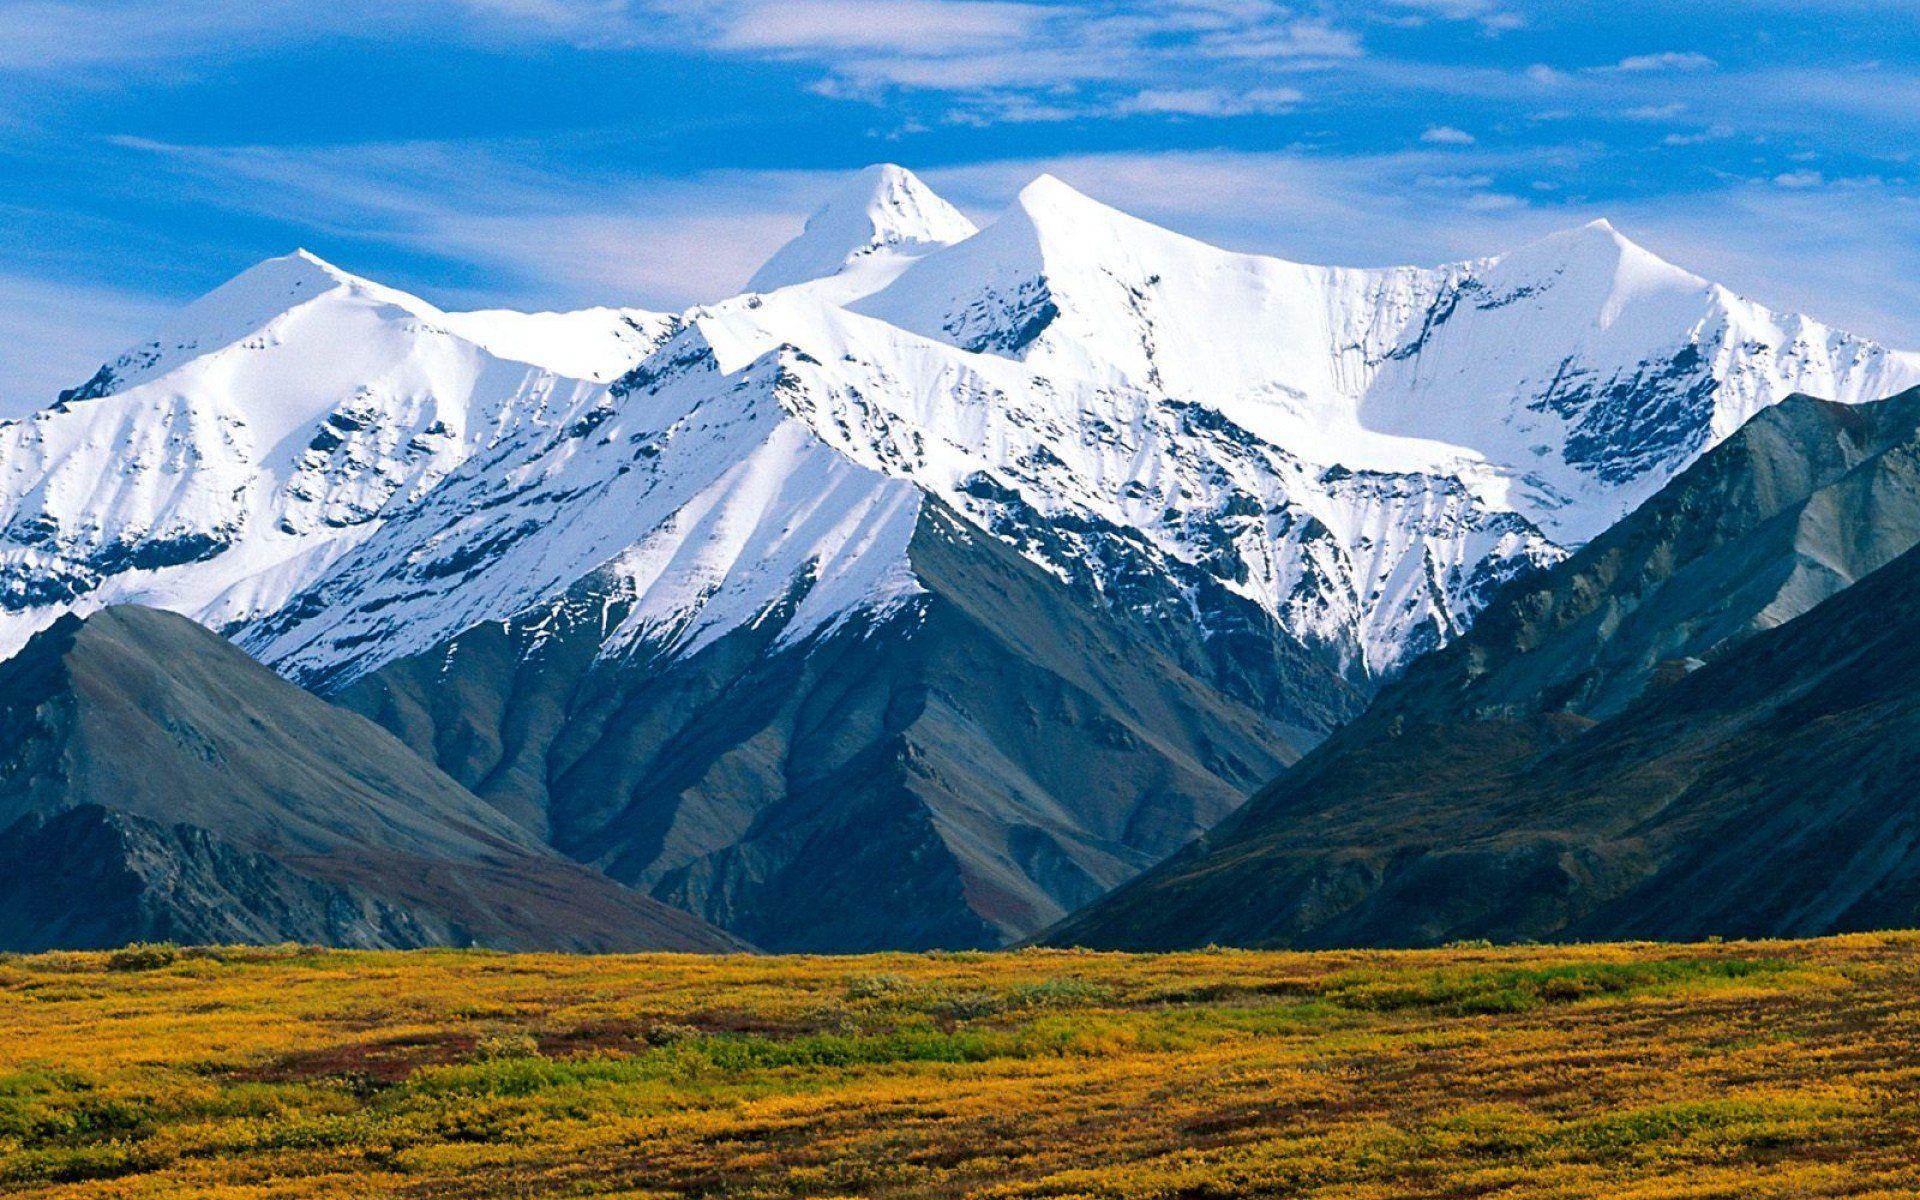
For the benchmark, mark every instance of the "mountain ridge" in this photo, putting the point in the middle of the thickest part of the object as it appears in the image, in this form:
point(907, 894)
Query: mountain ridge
point(1381, 623)
point(157, 783)
point(1547, 774)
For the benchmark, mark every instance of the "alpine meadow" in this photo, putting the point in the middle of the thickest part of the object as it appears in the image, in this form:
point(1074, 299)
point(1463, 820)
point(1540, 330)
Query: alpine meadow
point(571, 626)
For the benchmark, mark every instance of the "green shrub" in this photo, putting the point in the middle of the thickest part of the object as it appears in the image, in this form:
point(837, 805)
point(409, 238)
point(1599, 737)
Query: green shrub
point(1518, 989)
point(879, 986)
point(1058, 993)
point(496, 1046)
point(969, 1006)
point(666, 1033)
point(77, 1164)
point(143, 956)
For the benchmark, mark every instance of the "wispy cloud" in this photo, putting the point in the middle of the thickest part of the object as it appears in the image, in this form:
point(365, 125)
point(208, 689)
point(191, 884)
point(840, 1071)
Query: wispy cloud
point(901, 26)
point(1447, 135)
point(1087, 57)
point(543, 234)
point(1668, 60)
point(1011, 62)
point(53, 334)
point(1489, 15)
point(1211, 102)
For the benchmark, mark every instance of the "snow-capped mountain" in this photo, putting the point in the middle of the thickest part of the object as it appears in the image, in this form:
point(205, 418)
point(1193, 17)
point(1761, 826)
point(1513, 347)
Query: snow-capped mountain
point(1362, 453)
point(1551, 380)
point(224, 465)
point(1288, 479)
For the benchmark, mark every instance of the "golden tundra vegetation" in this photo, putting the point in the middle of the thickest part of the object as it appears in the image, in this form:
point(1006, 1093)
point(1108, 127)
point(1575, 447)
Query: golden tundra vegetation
point(1786, 1069)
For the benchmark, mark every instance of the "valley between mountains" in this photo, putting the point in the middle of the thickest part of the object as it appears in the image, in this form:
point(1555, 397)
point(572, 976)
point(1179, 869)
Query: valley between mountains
point(954, 586)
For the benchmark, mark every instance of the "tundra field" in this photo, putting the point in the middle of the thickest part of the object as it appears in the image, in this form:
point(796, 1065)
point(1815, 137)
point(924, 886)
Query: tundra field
point(1788, 1069)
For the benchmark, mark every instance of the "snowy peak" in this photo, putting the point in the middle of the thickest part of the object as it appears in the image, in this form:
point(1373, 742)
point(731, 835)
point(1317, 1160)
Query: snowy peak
point(881, 209)
point(253, 310)
point(1054, 228)
point(291, 275)
point(1058, 210)
point(271, 289)
point(236, 309)
point(1049, 198)
point(1598, 255)
point(303, 300)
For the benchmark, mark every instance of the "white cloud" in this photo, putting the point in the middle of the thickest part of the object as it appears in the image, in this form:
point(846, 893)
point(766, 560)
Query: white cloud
point(1285, 40)
point(1697, 138)
point(907, 26)
point(1153, 50)
point(1210, 102)
point(1447, 135)
point(1799, 179)
point(1492, 17)
point(1671, 60)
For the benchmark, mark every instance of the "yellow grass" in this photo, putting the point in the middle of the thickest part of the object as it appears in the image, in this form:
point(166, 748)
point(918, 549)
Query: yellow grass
point(1636, 1072)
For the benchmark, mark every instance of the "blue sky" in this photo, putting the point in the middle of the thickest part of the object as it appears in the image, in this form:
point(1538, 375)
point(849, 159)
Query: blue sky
point(552, 153)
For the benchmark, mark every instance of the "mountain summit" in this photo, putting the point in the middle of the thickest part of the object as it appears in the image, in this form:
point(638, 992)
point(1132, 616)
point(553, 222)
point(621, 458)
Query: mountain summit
point(883, 209)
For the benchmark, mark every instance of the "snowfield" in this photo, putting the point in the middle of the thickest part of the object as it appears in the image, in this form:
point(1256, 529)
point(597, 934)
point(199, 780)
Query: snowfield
point(339, 474)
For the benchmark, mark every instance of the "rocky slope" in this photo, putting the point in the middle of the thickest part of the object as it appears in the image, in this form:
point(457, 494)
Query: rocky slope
point(156, 783)
point(1727, 786)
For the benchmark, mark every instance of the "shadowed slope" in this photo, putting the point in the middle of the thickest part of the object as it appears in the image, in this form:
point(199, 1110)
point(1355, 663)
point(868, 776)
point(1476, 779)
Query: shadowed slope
point(156, 782)
point(1767, 792)
point(995, 752)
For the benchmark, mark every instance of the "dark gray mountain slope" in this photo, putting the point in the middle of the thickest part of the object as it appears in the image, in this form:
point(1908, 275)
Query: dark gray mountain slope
point(1768, 792)
point(157, 783)
point(996, 751)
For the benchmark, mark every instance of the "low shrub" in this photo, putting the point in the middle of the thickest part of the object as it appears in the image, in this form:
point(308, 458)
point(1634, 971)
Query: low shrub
point(883, 985)
point(143, 956)
point(496, 1046)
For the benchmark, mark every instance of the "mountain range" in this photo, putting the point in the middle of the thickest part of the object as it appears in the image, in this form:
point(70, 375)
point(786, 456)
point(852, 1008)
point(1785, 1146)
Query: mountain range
point(946, 579)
